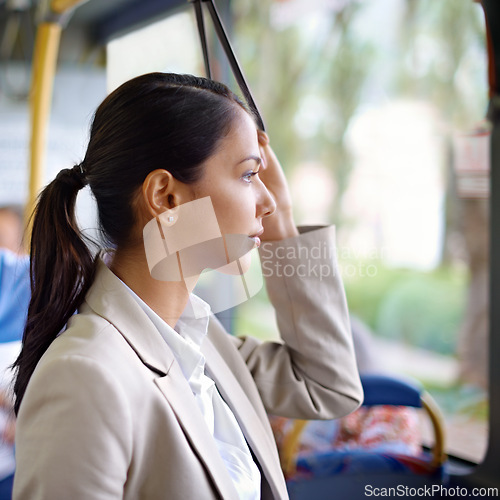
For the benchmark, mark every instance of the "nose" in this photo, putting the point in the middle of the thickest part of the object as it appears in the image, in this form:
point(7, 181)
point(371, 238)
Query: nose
point(266, 205)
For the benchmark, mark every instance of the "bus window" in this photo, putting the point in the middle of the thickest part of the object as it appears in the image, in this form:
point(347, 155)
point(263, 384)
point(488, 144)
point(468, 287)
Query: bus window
point(168, 45)
point(375, 110)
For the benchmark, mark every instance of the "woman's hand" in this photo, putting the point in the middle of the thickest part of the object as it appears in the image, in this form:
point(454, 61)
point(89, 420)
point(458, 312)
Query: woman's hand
point(280, 224)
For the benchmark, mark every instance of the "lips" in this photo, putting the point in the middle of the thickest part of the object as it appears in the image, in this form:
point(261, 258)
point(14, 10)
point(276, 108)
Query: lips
point(257, 234)
point(256, 238)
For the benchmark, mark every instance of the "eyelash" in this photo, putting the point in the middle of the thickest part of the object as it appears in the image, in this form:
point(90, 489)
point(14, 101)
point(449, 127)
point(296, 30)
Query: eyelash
point(248, 176)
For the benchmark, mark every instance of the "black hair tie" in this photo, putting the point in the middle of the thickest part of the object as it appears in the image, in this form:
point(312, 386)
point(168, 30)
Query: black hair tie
point(78, 172)
point(73, 176)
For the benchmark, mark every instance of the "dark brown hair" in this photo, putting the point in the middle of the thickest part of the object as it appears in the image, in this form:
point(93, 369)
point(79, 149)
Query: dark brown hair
point(158, 120)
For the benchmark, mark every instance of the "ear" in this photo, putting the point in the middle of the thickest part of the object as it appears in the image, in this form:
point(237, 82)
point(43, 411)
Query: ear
point(158, 191)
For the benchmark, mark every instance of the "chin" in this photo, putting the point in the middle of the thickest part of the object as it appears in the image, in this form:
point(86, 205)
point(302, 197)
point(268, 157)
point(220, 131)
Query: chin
point(237, 267)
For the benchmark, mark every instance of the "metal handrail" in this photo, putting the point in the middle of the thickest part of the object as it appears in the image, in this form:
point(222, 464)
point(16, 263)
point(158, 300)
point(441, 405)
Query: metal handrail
point(226, 45)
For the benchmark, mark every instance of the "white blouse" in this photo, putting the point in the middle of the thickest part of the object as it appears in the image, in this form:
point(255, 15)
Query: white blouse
point(185, 342)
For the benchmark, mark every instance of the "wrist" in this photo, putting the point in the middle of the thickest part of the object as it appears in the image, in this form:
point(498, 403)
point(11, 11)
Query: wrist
point(278, 227)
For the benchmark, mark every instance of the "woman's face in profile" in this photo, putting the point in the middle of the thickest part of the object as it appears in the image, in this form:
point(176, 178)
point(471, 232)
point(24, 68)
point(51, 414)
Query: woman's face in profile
point(230, 178)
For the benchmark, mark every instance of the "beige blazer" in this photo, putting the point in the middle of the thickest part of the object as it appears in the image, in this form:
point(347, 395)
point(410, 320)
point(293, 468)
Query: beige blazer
point(108, 413)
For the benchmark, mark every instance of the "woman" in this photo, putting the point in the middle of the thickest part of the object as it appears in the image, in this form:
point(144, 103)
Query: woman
point(139, 397)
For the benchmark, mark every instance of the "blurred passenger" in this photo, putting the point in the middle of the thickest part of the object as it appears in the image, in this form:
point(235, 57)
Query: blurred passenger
point(143, 394)
point(14, 299)
point(12, 228)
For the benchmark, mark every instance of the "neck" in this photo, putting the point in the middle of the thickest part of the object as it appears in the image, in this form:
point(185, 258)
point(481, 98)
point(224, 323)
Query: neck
point(168, 299)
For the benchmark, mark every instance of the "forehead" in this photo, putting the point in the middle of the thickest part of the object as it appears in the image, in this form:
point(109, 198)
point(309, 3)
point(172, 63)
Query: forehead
point(242, 136)
point(241, 142)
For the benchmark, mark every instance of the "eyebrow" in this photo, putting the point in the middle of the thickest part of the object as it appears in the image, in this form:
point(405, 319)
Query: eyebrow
point(257, 159)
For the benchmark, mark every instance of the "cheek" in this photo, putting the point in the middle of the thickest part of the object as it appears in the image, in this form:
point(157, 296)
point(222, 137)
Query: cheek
point(235, 211)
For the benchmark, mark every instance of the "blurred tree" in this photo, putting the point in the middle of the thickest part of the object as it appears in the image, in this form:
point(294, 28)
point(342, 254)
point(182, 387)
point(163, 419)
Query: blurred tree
point(345, 75)
point(274, 65)
point(438, 43)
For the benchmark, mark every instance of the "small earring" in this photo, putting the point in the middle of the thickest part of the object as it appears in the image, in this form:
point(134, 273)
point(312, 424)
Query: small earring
point(169, 217)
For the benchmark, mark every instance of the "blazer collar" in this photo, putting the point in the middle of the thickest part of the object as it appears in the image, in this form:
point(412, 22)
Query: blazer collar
point(109, 298)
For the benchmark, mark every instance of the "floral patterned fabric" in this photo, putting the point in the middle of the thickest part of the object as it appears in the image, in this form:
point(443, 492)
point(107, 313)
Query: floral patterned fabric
point(378, 438)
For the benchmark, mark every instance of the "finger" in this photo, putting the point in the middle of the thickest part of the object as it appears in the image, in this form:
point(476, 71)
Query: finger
point(263, 156)
point(263, 138)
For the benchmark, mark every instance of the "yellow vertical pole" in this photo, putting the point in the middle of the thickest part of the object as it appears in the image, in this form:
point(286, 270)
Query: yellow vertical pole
point(42, 82)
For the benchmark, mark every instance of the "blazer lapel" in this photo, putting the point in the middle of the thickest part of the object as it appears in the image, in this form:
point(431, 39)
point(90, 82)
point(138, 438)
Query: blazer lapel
point(178, 394)
point(255, 433)
point(109, 298)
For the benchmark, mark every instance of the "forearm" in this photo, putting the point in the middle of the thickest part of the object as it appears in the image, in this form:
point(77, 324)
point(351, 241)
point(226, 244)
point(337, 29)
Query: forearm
point(313, 373)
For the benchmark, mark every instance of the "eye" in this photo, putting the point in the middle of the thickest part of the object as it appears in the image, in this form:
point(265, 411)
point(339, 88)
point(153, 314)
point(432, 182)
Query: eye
point(247, 177)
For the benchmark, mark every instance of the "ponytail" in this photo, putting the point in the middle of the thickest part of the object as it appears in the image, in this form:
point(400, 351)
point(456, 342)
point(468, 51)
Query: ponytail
point(61, 271)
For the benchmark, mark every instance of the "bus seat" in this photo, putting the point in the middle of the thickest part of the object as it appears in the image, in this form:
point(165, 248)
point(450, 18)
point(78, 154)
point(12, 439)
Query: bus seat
point(378, 445)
